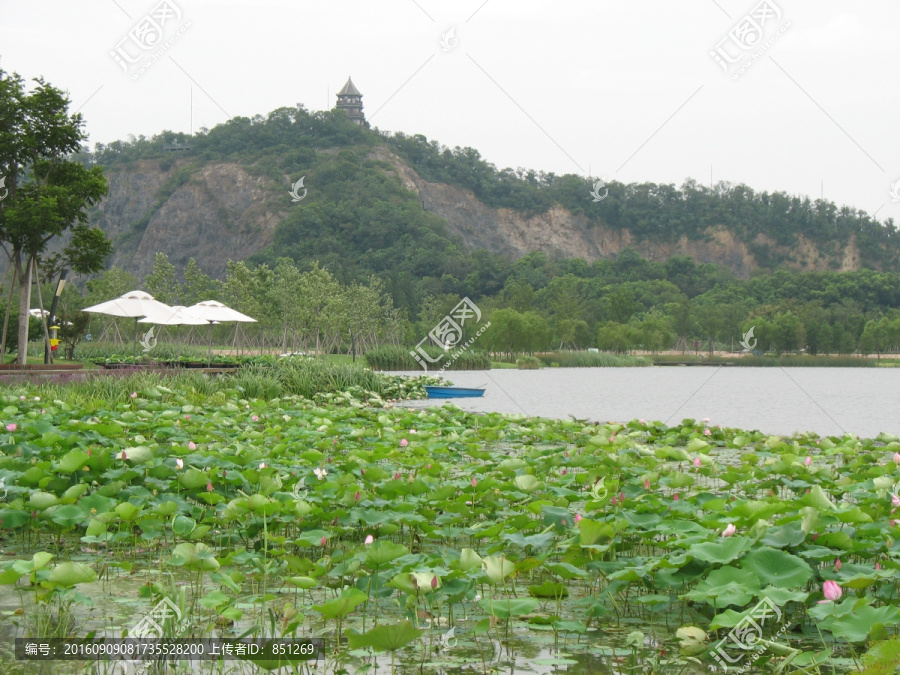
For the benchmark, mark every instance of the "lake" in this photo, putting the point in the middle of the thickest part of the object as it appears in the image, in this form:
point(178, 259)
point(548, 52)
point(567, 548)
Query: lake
point(828, 401)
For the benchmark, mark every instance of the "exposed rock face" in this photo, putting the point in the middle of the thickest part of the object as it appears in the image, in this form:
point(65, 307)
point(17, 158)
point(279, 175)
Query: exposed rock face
point(218, 213)
point(222, 212)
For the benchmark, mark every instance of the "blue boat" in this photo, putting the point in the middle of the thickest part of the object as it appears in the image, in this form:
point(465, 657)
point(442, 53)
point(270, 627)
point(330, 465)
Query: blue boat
point(453, 392)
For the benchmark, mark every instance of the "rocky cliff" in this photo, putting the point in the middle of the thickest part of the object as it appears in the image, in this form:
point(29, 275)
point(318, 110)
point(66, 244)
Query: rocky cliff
point(220, 211)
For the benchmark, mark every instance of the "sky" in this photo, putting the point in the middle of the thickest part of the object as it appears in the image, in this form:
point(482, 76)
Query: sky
point(791, 95)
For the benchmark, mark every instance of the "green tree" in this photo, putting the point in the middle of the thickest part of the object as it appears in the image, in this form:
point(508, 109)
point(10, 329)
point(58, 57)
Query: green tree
point(162, 282)
point(48, 192)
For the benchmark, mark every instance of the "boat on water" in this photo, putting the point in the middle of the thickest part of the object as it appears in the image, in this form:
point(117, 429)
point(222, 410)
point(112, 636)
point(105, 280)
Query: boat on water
point(453, 392)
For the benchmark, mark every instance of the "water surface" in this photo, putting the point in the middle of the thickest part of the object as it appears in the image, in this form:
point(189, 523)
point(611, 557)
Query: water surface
point(828, 401)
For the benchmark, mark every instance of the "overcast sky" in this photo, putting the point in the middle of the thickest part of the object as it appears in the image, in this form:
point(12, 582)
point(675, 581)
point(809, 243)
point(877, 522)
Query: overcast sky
point(626, 90)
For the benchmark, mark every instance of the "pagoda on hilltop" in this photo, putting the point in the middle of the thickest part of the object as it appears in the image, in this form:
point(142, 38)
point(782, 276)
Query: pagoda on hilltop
point(350, 101)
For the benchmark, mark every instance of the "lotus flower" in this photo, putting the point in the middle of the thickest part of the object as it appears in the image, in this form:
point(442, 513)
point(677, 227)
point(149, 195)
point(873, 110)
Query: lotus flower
point(134, 394)
point(262, 465)
point(897, 458)
point(11, 427)
point(320, 473)
point(641, 422)
point(255, 418)
point(474, 481)
point(403, 442)
point(324, 541)
point(124, 456)
point(397, 476)
point(192, 446)
point(729, 530)
point(209, 486)
point(838, 564)
point(614, 501)
point(646, 483)
point(832, 591)
point(37, 398)
point(697, 462)
point(577, 517)
point(622, 497)
point(22, 397)
point(807, 461)
point(413, 431)
point(675, 497)
point(434, 582)
point(707, 432)
point(877, 566)
point(187, 417)
point(369, 540)
point(563, 472)
point(356, 496)
point(179, 463)
point(705, 420)
point(895, 500)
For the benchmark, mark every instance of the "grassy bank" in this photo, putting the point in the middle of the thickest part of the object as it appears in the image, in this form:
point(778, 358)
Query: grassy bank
point(399, 358)
point(804, 361)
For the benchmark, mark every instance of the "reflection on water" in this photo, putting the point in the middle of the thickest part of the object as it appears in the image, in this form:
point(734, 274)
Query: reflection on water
point(828, 401)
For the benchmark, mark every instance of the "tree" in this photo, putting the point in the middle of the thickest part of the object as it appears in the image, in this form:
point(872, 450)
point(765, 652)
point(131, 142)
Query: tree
point(48, 192)
point(161, 282)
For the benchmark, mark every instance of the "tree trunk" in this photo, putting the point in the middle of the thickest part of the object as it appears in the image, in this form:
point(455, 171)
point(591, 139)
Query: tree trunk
point(24, 306)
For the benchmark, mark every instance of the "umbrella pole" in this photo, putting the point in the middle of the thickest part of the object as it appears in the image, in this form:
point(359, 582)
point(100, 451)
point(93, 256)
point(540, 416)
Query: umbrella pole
point(134, 344)
point(209, 352)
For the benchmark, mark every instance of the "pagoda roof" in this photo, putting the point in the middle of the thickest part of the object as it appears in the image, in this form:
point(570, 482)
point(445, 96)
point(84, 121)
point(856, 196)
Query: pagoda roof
point(349, 89)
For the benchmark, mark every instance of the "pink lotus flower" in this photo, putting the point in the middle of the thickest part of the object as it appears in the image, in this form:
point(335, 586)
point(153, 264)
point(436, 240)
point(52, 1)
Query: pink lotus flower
point(641, 422)
point(563, 472)
point(832, 591)
point(563, 522)
point(675, 497)
point(838, 564)
point(369, 540)
point(255, 418)
point(807, 461)
point(895, 500)
point(187, 417)
point(356, 496)
point(413, 431)
point(192, 446)
point(124, 456)
point(474, 481)
point(134, 394)
point(622, 497)
point(707, 432)
point(403, 442)
point(179, 463)
point(897, 458)
point(697, 462)
point(262, 465)
point(11, 427)
point(567, 453)
point(705, 420)
point(814, 537)
point(22, 398)
point(614, 501)
point(434, 582)
point(397, 476)
point(577, 517)
point(209, 486)
point(88, 452)
point(877, 566)
point(427, 466)
point(324, 541)
point(729, 530)
point(646, 483)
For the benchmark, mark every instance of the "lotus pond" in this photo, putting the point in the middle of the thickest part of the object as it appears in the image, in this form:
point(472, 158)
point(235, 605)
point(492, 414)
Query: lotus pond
point(439, 541)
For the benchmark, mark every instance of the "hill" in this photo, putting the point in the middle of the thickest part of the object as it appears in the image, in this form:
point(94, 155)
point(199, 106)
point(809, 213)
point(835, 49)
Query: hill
point(407, 208)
